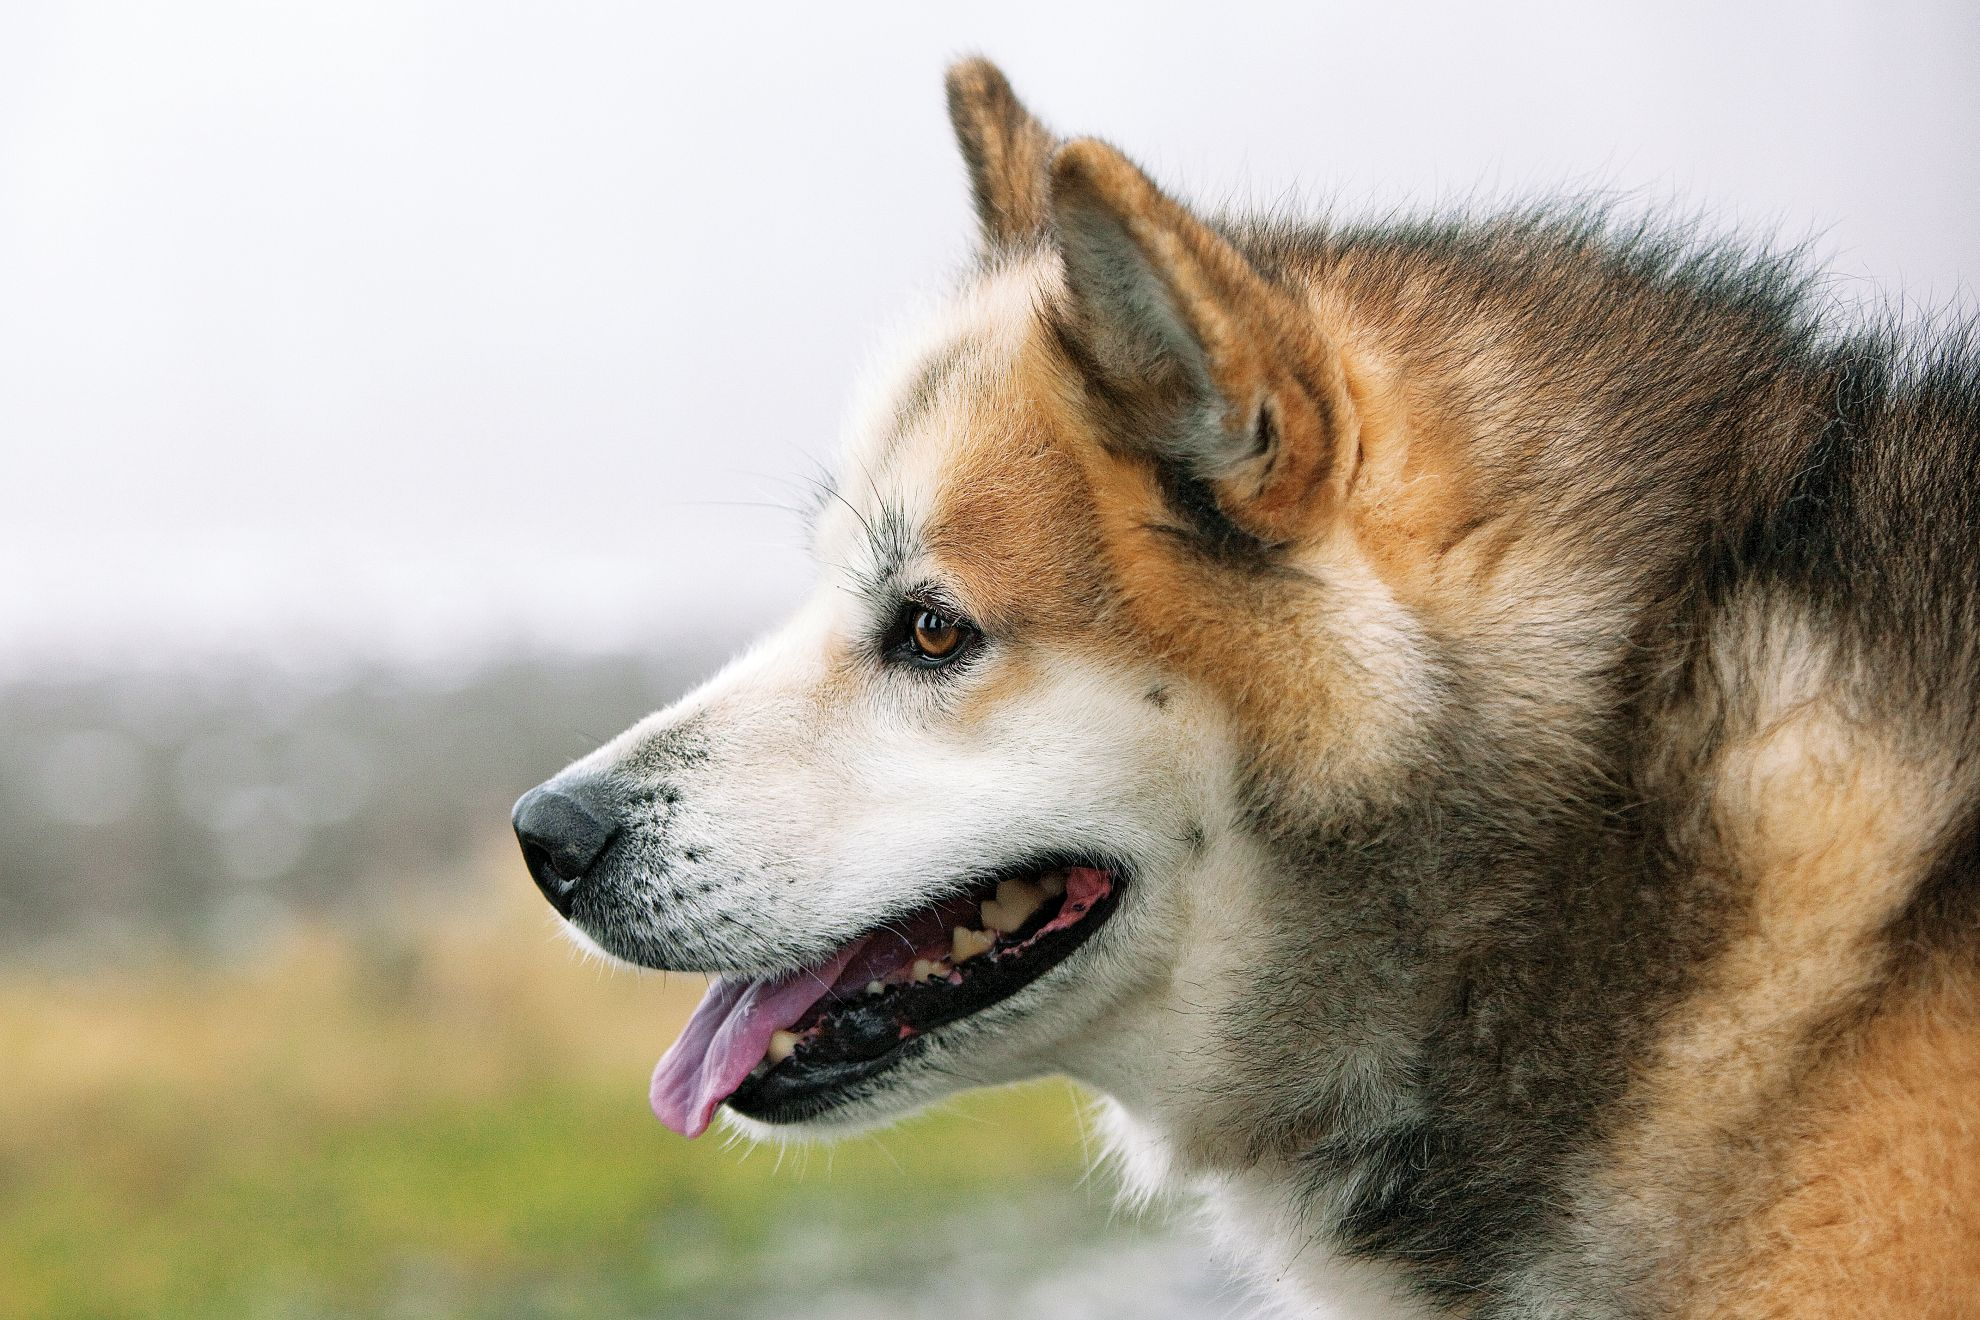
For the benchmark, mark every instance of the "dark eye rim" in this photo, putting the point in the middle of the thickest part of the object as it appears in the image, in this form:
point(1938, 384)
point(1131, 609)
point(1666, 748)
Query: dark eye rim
point(904, 647)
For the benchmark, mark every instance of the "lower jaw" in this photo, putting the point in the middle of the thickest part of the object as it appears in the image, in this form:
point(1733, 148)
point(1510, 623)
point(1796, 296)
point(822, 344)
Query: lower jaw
point(781, 1098)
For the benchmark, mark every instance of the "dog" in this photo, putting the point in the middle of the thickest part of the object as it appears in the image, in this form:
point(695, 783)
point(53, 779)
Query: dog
point(1463, 733)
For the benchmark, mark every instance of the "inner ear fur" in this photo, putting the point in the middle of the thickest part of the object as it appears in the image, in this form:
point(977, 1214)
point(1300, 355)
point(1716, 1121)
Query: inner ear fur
point(1207, 362)
point(1007, 152)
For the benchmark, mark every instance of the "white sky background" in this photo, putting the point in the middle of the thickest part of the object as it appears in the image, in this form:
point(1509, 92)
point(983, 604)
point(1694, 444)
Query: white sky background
point(419, 328)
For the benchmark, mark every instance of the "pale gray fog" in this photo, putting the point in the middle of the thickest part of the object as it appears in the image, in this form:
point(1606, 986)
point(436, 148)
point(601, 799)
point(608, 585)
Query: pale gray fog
point(399, 398)
point(411, 329)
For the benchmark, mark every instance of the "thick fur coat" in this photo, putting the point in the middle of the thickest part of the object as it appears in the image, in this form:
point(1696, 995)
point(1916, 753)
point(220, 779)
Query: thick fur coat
point(1523, 672)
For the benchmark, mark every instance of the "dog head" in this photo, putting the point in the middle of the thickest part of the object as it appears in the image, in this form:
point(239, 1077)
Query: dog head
point(1097, 612)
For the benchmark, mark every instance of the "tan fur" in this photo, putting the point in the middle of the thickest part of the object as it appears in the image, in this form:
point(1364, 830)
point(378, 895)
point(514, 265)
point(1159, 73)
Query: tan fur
point(1368, 471)
point(1004, 149)
point(1824, 829)
point(1879, 1209)
point(1413, 506)
point(1262, 349)
point(1013, 471)
point(1024, 454)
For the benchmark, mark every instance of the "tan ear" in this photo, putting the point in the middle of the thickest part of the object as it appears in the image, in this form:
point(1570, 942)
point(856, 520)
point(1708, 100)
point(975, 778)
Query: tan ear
point(1199, 358)
point(1007, 152)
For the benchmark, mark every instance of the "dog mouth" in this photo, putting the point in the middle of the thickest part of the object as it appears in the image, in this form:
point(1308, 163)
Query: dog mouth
point(788, 1048)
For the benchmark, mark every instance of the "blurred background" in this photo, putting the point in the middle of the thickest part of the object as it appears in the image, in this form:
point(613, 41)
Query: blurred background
point(399, 398)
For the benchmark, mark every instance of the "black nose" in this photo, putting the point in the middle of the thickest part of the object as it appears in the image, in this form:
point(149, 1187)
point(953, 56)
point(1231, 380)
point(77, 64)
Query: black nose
point(563, 832)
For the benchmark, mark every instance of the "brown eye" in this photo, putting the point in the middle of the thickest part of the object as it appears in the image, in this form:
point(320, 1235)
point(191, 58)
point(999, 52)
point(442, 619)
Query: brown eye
point(936, 636)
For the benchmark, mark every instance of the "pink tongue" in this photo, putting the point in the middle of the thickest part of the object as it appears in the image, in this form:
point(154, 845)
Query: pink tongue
point(727, 1036)
point(732, 1026)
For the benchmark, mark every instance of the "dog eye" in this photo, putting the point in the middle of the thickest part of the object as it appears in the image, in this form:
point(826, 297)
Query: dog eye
point(936, 637)
point(933, 638)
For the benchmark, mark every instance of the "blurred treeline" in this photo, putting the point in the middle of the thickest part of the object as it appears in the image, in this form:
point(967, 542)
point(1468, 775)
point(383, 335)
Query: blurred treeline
point(209, 802)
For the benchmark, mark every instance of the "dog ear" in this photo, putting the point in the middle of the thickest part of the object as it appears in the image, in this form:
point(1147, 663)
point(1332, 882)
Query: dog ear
point(1197, 358)
point(1007, 151)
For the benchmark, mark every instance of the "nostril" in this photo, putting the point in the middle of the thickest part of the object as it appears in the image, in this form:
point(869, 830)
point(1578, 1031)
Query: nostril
point(563, 834)
point(545, 874)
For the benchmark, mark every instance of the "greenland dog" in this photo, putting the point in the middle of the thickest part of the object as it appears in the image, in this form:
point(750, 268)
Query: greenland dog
point(1463, 733)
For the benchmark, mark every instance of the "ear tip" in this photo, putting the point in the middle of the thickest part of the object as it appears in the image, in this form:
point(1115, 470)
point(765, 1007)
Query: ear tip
point(973, 79)
point(1080, 155)
point(1087, 166)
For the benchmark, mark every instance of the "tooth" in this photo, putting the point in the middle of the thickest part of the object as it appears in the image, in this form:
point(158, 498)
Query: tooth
point(876, 987)
point(925, 968)
point(1021, 895)
point(1015, 902)
point(965, 943)
point(781, 1045)
point(1053, 883)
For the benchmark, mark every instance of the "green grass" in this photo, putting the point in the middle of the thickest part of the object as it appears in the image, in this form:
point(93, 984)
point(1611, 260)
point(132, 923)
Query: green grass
point(159, 1215)
point(286, 1142)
